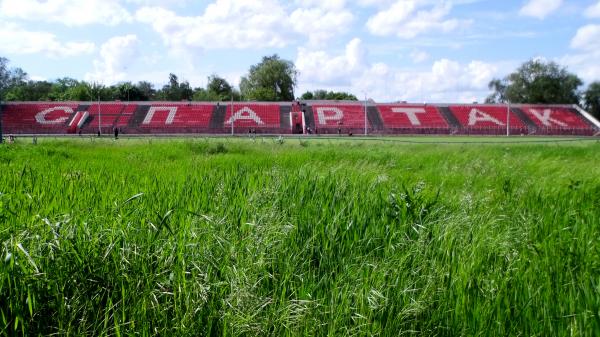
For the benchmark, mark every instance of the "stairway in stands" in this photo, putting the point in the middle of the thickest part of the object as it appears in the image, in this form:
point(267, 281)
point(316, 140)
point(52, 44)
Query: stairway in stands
point(285, 117)
point(218, 117)
point(82, 108)
point(525, 119)
point(374, 118)
point(309, 118)
point(450, 118)
point(138, 116)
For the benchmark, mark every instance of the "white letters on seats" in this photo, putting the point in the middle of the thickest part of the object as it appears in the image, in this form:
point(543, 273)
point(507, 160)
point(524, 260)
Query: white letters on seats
point(411, 113)
point(84, 117)
point(323, 118)
point(546, 117)
point(170, 117)
point(477, 116)
point(245, 114)
point(41, 116)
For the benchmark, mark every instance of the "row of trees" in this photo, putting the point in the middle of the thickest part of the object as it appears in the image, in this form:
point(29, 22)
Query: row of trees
point(274, 79)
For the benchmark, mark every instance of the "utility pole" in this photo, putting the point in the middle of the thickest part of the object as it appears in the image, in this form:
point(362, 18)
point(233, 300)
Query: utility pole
point(508, 120)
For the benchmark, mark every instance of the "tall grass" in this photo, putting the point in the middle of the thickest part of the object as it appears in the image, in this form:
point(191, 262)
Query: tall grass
point(311, 238)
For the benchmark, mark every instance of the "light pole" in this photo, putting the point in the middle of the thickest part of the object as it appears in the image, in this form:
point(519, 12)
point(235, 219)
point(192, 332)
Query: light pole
point(232, 115)
point(508, 120)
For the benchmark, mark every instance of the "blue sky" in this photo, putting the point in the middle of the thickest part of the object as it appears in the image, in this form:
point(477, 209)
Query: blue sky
point(389, 50)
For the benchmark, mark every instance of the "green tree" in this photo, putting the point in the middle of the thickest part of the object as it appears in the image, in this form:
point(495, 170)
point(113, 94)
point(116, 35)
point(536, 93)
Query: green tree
point(534, 82)
point(127, 92)
point(219, 87)
point(94, 91)
point(3, 84)
point(60, 88)
point(328, 96)
point(147, 91)
point(202, 95)
point(4, 75)
point(175, 91)
point(81, 91)
point(29, 91)
point(217, 90)
point(273, 79)
point(592, 99)
point(10, 77)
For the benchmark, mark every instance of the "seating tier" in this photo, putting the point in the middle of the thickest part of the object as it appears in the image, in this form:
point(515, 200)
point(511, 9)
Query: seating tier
point(555, 117)
point(400, 116)
point(258, 116)
point(182, 115)
point(485, 117)
point(329, 118)
point(37, 117)
point(339, 118)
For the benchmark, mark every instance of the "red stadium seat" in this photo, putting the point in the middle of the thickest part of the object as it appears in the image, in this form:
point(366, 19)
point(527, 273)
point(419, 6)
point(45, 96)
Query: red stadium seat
point(258, 116)
point(399, 116)
point(555, 117)
point(177, 115)
point(474, 116)
point(126, 115)
point(558, 120)
point(37, 118)
point(339, 118)
point(487, 119)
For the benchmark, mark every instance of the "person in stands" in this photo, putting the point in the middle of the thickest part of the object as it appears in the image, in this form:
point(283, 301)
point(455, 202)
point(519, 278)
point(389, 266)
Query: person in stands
point(116, 133)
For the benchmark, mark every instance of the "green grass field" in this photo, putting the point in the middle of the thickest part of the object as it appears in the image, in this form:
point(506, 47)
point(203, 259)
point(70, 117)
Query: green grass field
point(223, 237)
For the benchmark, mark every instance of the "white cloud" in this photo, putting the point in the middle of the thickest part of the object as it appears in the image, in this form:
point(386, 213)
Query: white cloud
point(445, 81)
point(374, 3)
point(161, 3)
point(15, 40)
point(585, 65)
point(323, 4)
point(587, 38)
point(67, 12)
point(419, 56)
point(540, 8)
point(224, 24)
point(116, 55)
point(323, 68)
point(320, 24)
point(37, 78)
point(584, 61)
point(408, 19)
point(593, 11)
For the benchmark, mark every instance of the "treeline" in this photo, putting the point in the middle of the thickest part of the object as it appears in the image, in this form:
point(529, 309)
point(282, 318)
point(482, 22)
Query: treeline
point(273, 79)
point(17, 87)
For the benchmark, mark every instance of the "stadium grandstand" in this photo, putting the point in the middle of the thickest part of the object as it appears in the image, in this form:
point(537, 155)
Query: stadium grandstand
point(298, 117)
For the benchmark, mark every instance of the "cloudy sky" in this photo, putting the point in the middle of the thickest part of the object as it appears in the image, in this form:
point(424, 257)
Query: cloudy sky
point(416, 50)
